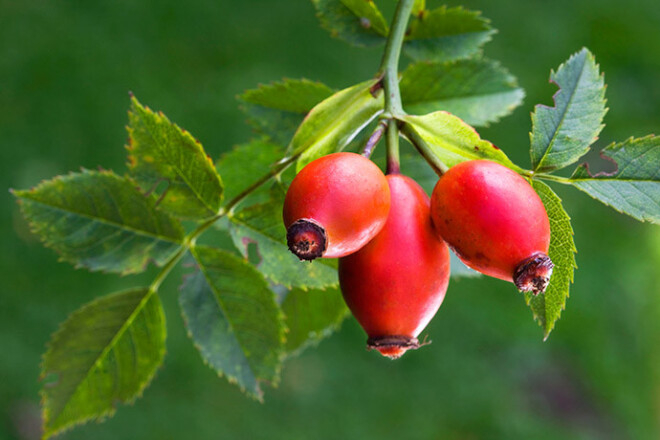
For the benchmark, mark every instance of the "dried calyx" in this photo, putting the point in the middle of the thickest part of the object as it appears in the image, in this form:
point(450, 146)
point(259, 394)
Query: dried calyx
point(306, 239)
point(533, 274)
point(395, 346)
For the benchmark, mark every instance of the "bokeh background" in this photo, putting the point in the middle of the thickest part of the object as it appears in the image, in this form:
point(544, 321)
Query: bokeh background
point(66, 67)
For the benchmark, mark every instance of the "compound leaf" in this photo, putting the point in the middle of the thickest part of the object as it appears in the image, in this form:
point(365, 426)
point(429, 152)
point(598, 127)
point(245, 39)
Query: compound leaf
point(233, 319)
point(312, 315)
point(98, 220)
point(634, 188)
point(453, 141)
point(478, 91)
point(358, 22)
point(162, 152)
point(547, 307)
point(106, 352)
point(277, 109)
point(563, 133)
point(333, 123)
point(446, 34)
point(262, 226)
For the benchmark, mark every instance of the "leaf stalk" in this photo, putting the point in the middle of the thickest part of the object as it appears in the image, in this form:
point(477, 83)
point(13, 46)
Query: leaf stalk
point(190, 239)
point(423, 148)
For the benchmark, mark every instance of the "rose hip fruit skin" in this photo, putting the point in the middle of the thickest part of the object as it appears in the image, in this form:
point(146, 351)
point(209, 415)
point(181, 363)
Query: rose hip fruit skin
point(335, 205)
point(396, 283)
point(495, 222)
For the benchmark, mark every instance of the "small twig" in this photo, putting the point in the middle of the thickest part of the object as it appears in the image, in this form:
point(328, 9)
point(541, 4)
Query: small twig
point(374, 139)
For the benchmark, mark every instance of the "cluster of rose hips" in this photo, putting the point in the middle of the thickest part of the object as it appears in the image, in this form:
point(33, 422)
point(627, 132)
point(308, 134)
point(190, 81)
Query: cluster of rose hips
point(391, 239)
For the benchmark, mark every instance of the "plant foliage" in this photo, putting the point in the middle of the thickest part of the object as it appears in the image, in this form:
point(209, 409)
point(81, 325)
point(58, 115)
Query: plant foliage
point(106, 352)
point(249, 308)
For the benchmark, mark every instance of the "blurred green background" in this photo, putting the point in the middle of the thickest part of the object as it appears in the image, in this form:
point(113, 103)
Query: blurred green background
point(66, 67)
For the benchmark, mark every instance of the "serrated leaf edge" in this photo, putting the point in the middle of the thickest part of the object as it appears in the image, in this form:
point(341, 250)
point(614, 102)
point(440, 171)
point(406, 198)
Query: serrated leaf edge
point(282, 336)
point(109, 412)
point(159, 116)
point(605, 177)
point(548, 329)
point(24, 194)
point(553, 73)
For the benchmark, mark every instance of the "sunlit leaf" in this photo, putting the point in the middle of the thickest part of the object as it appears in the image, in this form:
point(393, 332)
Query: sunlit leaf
point(277, 109)
point(547, 307)
point(634, 188)
point(478, 91)
point(233, 319)
point(98, 220)
point(453, 141)
point(106, 352)
point(333, 123)
point(563, 133)
point(161, 152)
point(418, 7)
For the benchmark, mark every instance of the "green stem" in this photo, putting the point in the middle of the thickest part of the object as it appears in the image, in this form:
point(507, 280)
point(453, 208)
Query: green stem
point(389, 66)
point(277, 169)
point(420, 145)
point(389, 70)
point(190, 239)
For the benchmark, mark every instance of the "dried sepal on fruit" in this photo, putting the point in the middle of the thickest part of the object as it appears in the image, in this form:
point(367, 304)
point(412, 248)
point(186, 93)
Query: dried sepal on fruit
point(335, 205)
point(395, 284)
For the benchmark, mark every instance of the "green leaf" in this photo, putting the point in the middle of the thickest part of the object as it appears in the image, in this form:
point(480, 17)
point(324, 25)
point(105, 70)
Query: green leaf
point(547, 307)
point(478, 91)
point(278, 109)
point(312, 315)
point(333, 123)
point(98, 220)
point(358, 22)
point(162, 152)
point(233, 319)
point(262, 226)
point(634, 188)
point(562, 134)
point(453, 141)
point(418, 7)
point(106, 352)
point(245, 163)
point(446, 34)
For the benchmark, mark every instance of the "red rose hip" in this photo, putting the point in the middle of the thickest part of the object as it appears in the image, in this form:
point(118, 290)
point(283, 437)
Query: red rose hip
point(335, 205)
point(495, 222)
point(396, 283)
